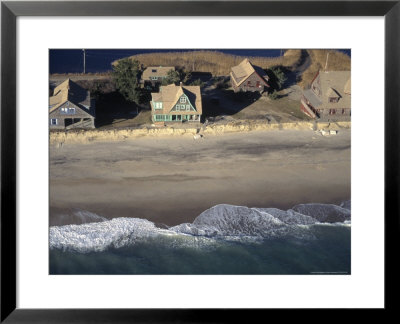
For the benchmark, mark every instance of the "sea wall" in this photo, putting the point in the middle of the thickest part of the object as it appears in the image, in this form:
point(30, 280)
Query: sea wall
point(88, 136)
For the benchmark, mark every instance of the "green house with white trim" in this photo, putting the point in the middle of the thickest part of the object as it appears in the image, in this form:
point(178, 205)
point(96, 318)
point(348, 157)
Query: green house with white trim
point(176, 104)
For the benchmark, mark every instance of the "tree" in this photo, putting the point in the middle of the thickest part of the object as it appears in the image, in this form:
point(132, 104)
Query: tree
point(126, 75)
point(173, 77)
point(278, 77)
point(186, 77)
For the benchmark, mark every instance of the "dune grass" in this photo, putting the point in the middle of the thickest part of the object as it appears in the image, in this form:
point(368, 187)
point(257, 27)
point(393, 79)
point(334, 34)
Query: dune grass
point(337, 61)
point(214, 62)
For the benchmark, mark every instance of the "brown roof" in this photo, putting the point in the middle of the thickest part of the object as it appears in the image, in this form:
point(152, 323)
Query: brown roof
point(69, 91)
point(335, 84)
point(170, 94)
point(156, 71)
point(242, 71)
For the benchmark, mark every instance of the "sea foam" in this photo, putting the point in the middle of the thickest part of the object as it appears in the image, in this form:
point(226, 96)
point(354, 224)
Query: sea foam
point(221, 222)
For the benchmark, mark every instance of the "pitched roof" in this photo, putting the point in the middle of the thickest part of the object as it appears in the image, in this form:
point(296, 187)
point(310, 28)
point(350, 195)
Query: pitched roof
point(332, 93)
point(335, 80)
point(242, 71)
point(347, 87)
point(69, 91)
point(156, 71)
point(336, 84)
point(170, 94)
point(312, 98)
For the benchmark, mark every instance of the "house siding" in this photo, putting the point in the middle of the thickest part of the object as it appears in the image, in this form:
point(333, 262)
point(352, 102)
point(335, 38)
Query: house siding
point(250, 84)
point(322, 110)
point(63, 119)
point(184, 115)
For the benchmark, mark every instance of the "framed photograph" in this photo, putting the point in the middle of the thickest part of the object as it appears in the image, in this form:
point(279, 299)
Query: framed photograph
point(197, 161)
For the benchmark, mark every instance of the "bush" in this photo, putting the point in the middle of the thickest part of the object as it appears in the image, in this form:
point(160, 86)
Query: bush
point(173, 77)
point(197, 82)
point(273, 95)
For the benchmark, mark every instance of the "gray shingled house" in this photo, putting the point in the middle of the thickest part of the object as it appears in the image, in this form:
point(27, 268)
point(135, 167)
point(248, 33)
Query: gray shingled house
point(329, 95)
point(248, 77)
point(153, 76)
point(71, 107)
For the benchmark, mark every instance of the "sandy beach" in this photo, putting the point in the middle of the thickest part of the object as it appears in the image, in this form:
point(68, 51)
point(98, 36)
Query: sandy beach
point(171, 180)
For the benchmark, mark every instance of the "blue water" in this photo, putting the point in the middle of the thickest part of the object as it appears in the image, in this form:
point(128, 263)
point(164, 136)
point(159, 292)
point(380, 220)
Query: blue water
point(226, 239)
point(99, 60)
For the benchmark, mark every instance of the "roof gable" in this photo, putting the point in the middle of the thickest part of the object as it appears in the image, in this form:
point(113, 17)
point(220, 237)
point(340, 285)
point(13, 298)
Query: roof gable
point(332, 93)
point(170, 96)
point(333, 84)
point(79, 110)
point(244, 70)
point(69, 91)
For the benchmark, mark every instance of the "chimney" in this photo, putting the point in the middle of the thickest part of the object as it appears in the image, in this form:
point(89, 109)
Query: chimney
point(326, 63)
point(180, 84)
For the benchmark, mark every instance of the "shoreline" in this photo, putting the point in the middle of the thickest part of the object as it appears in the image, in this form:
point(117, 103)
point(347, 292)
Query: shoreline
point(172, 179)
point(109, 135)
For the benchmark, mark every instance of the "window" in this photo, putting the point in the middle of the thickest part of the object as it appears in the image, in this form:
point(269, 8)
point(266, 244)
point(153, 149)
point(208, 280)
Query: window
point(248, 83)
point(333, 99)
point(183, 100)
point(157, 105)
point(65, 110)
point(258, 84)
point(187, 107)
point(153, 71)
point(154, 78)
point(53, 121)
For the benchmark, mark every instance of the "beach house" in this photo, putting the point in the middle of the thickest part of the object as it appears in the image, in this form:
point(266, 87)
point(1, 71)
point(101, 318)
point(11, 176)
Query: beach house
point(70, 106)
point(248, 77)
point(176, 104)
point(329, 95)
point(153, 76)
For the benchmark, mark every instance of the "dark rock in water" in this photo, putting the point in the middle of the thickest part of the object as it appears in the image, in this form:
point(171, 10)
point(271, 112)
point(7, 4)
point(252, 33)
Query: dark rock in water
point(324, 213)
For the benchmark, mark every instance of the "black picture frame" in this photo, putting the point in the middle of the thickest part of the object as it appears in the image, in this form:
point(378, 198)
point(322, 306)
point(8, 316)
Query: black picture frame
point(10, 10)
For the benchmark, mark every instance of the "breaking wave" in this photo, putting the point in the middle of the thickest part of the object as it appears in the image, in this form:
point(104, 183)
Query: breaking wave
point(220, 223)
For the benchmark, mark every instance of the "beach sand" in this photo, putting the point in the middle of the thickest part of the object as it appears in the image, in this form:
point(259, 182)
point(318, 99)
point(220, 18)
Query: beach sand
point(171, 180)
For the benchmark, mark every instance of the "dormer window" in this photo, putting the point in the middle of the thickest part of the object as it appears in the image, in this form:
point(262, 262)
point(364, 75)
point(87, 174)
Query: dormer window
point(333, 99)
point(153, 71)
point(333, 95)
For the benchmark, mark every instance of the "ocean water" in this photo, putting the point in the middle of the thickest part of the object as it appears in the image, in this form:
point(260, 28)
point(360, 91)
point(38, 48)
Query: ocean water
point(99, 60)
point(225, 239)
